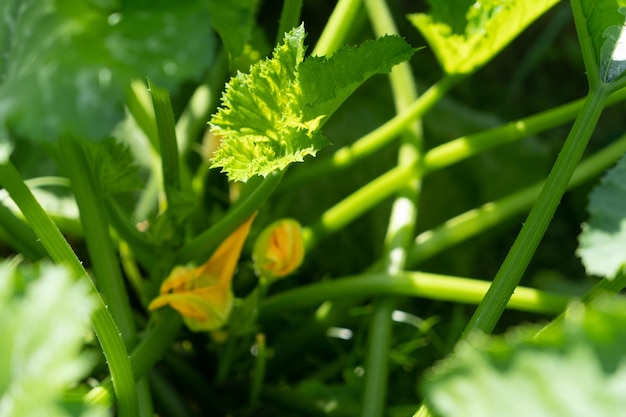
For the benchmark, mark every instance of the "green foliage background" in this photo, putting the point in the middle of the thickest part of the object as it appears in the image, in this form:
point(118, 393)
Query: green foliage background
point(67, 67)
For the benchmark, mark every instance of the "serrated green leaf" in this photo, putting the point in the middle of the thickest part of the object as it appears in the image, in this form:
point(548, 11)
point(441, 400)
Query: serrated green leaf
point(261, 124)
point(603, 236)
point(113, 166)
point(601, 25)
point(575, 368)
point(465, 34)
point(65, 65)
point(271, 117)
point(41, 353)
point(233, 21)
point(328, 82)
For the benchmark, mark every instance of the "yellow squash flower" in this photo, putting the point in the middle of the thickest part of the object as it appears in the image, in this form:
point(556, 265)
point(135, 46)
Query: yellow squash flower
point(279, 249)
point(203, 294)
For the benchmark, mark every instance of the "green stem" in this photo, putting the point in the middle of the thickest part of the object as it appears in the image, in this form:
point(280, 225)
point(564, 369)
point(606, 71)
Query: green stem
point(101, 250)
point(140, 107)
point(258, 375)
point(401, 224)
point(289, 18)
point(356, 204)
point(61, 252)
point(163, 328)
point(168, 146)
point(203, 245)
point(373, 141)
point(490, 309)
point(19, 236)
point(337, 27)
point(102, 253)
point(467, 146)
point(605, 285)
point(473, 222)
point(374, 395)
point(444, 155)
point(407, 284)
point(120, 220)
point(194, 118)
point(167, 323)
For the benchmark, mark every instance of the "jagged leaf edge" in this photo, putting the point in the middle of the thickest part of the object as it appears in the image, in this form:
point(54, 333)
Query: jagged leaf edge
point(262, 140)
point(603, 235)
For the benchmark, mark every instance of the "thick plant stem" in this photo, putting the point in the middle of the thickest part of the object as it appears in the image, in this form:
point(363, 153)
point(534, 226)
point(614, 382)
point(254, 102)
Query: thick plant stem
point(465, 147)
point(101, 250)
point(472, 222)
point(490, 309)
point(401, 224)
point(443, 155)
point(61, 252)
point(407, 284)
point(160, 334)
point(357, 203)
point(168, 146)
point(289, 18)
point(337, 27)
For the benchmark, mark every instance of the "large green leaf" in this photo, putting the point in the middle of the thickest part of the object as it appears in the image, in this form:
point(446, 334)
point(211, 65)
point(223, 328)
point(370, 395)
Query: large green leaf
point(603, 238)
point(65, 65)
point(271, 117)
point(465, 34)
point(576, 368)
point(602, 32)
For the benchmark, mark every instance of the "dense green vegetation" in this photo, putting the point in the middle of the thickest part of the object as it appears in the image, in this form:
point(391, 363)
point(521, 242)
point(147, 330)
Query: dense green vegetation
point(239, 208)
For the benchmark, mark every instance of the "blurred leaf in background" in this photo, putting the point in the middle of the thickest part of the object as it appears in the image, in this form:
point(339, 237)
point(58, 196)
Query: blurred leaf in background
point(41, 354)
point(575, 367)
point(65, 65)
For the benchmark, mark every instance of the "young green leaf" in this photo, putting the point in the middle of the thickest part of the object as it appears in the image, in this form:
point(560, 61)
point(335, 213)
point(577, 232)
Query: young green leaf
point(602, 30)
point(271, 117)
point(65, 65)
point(574, 368)
point(45, 319)
point(603, 236)
point(465, 34)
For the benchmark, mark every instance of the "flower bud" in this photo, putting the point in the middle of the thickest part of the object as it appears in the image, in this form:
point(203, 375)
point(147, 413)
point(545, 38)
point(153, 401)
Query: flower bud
point(279, 249)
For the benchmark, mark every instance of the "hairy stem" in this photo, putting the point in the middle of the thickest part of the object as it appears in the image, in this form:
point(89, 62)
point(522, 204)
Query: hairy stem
point(490, 309)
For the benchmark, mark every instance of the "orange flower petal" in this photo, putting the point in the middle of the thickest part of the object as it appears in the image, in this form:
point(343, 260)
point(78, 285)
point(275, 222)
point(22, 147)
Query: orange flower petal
point(223, 262)
point(202, 295)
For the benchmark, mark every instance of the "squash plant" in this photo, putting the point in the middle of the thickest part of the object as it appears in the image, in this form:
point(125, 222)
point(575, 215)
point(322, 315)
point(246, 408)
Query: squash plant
point(242, 206)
